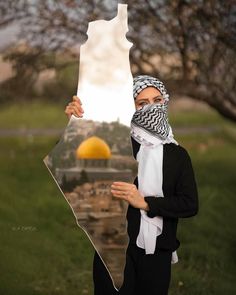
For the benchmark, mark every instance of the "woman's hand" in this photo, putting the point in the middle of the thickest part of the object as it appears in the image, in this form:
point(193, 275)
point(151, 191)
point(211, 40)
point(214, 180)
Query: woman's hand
point(128, 192)
point(74, 107)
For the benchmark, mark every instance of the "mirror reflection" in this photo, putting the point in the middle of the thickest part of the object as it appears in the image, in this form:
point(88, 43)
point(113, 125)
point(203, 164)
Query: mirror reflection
point(95, 148)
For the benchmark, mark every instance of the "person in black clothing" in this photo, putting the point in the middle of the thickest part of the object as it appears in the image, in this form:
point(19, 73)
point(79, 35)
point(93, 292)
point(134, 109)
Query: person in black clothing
point(163, 191)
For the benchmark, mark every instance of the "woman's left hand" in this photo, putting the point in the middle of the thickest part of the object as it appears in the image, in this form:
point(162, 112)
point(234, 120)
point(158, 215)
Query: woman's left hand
point(128, 192)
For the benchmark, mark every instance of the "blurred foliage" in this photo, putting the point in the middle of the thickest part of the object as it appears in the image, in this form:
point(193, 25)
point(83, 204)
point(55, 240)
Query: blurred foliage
point(188, 44)
point(27, 66)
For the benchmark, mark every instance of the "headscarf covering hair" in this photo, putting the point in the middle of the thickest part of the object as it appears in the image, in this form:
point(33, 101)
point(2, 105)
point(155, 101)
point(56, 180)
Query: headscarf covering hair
point(149, 125)
point(142, 81)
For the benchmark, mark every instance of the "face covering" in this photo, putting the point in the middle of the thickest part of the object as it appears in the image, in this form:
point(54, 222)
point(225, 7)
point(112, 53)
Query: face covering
point(149, 125)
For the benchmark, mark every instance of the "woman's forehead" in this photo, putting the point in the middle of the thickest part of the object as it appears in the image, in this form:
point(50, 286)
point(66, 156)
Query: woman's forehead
point(148, 92)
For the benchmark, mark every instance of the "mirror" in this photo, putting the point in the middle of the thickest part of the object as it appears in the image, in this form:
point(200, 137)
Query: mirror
point(95, 150)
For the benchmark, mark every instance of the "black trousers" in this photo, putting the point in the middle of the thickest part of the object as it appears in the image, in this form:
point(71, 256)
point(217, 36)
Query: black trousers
point(147, 274)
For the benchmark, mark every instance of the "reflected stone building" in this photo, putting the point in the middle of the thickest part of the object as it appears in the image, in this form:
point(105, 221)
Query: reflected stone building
point(93, 156)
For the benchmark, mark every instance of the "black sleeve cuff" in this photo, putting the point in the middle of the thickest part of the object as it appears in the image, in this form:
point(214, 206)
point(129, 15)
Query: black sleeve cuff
point(152, 204)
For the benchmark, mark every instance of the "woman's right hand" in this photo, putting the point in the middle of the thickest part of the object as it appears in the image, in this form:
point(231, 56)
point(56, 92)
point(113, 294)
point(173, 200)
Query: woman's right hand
point(74, 107)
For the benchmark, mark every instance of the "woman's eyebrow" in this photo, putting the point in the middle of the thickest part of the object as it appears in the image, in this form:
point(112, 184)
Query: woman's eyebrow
point(142, 99)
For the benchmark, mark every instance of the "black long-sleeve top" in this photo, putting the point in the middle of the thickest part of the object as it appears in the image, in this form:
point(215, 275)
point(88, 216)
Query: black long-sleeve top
point(180, 196)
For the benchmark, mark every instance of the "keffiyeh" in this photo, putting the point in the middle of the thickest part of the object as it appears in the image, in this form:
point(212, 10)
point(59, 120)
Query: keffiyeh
point(150, 127)
point(142, 81)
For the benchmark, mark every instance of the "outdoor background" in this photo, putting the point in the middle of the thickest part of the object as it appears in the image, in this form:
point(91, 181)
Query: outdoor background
point(191, 46)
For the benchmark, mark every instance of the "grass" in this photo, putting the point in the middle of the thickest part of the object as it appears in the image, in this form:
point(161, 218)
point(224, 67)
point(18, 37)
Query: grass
point(35, 114)
point(41, 114)
point(208, 239)
point(195, 117)
point(44, 252)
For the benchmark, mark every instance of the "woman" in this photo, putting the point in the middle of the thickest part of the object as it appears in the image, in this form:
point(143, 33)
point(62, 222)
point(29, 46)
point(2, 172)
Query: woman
point(163, 191)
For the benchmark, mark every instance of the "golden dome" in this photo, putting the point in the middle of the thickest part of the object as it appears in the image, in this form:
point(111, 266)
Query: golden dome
point(93, 148)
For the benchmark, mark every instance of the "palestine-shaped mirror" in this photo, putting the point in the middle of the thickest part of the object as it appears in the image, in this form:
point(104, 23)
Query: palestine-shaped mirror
point(95, 150)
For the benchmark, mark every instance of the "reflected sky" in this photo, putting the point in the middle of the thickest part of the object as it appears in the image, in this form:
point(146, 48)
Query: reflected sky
point(105, 79)
point(91, 155)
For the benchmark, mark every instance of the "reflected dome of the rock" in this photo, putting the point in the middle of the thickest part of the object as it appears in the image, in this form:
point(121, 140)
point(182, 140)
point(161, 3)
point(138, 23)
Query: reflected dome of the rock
point(93, 148)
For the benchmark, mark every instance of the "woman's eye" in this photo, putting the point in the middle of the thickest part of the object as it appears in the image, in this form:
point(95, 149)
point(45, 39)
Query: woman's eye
point(142, 103)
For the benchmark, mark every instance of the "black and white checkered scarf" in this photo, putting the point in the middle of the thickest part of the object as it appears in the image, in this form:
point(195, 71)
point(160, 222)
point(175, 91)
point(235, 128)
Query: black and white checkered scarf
point(149, 125)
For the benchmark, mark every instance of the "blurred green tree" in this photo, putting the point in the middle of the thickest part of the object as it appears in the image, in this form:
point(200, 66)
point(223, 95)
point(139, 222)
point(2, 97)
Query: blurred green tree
point(191, 45)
